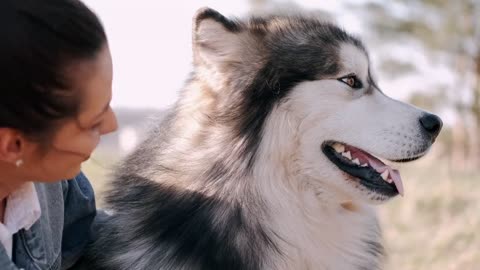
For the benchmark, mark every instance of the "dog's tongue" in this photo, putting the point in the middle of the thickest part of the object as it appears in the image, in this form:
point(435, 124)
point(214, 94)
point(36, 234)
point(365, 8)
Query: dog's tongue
point(379, 166)
point(395, 175)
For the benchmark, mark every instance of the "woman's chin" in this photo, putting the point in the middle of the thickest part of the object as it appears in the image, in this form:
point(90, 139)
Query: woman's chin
point(65, 174)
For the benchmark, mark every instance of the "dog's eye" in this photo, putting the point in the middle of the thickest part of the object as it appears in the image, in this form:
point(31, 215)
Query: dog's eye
point(352, 81)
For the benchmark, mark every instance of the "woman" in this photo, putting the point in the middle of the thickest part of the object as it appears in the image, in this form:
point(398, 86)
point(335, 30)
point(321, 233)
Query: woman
point(55, 91)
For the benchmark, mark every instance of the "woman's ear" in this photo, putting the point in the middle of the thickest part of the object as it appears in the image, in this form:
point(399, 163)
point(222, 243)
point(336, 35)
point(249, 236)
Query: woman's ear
point(11, 145)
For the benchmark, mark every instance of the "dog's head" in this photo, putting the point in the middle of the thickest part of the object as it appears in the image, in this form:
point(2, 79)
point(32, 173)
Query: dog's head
point(301, 91)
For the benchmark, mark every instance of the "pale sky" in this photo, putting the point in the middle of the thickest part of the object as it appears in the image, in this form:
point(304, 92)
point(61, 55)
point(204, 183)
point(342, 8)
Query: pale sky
point(150, 45)
point(150, 42)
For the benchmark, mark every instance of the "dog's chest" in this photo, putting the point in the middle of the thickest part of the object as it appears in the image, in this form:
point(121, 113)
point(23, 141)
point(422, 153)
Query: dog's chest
point(338, 243)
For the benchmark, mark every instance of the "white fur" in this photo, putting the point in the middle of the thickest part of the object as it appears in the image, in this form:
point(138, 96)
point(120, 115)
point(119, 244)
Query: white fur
point(304, 190)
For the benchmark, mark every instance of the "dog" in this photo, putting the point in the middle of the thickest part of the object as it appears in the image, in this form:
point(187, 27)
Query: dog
point(273, 157)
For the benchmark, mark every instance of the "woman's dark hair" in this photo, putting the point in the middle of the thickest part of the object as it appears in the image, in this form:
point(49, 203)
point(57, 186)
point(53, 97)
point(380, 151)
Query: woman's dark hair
point(39, 41)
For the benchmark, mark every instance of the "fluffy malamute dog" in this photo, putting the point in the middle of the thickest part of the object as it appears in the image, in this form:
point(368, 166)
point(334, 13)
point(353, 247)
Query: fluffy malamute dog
point(270, 159)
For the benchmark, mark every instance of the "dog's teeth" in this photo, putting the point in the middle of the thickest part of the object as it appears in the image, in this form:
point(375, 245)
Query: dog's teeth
point(364, 165)
point(340, 148)
point(384, 175)
point(347, 155)
point(356, 161)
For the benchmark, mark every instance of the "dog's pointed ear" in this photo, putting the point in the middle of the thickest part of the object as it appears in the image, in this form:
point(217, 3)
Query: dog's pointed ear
point(215, 37)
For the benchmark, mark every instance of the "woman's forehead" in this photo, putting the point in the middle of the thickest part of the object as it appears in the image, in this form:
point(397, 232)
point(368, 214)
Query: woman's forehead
point(93, 80)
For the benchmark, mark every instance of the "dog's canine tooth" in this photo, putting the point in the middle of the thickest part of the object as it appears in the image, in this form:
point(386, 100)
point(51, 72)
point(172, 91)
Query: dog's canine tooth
point(364, 165)
point(356, 161)
point(340, 148)
point(384, 175)
point(347, 155)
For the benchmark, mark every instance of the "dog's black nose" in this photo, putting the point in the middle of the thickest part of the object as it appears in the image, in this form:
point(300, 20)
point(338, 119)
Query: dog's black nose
point(432, 124)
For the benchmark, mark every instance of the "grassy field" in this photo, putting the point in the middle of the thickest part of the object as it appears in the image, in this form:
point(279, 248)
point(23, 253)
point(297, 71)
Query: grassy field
point(436, 226)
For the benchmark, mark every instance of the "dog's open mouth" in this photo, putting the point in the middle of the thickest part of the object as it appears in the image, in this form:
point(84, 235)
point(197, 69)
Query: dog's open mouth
point(370, 171)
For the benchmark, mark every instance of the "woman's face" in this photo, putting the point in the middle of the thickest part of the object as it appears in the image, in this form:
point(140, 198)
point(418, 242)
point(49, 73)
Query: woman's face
point(76, 138)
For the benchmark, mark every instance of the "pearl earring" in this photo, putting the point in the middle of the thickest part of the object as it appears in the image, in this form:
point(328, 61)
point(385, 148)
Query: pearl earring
point(19, 163)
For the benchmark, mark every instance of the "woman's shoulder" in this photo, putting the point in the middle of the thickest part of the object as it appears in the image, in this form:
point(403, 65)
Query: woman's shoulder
point(63, 230)
point(68, 200)
point(63, 201)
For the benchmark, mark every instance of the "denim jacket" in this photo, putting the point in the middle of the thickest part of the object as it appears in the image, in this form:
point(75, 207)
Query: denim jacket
point(57, 240)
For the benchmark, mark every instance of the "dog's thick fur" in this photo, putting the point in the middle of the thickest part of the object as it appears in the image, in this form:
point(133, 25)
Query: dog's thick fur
point(235, 177)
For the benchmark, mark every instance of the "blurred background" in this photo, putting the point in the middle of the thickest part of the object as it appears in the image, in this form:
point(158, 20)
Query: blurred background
point(426, 52)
